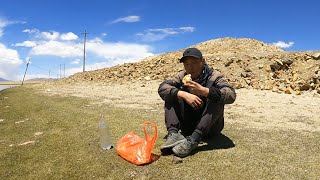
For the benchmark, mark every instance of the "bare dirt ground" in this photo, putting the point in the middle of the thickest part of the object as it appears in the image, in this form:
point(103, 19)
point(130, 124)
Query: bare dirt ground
point(252, 108)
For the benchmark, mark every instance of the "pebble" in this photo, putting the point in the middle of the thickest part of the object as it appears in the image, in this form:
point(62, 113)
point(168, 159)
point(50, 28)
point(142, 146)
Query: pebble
point(38, 133)
point(18, 122)
point(27, 143)
point(176, 160)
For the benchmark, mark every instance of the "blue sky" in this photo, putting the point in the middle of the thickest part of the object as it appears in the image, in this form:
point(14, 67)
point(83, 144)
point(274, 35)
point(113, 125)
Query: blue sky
point(49, 33)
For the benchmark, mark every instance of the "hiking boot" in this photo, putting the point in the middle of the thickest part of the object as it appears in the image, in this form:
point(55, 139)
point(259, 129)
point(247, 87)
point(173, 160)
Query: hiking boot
point(173, 139)
point(184, 149)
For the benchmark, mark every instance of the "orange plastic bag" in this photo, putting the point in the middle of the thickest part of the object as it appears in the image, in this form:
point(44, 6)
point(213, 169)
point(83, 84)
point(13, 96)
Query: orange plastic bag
point(136, 149)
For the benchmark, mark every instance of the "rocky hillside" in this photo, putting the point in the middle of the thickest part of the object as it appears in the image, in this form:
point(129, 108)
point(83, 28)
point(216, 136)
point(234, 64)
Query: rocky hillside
point(246, 63)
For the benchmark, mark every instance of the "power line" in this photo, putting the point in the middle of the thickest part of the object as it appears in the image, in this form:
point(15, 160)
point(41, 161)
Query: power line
point(28, 62)
point(11, 59)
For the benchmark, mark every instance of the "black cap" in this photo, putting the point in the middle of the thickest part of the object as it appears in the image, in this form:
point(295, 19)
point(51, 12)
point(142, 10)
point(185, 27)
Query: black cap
point(191, 52)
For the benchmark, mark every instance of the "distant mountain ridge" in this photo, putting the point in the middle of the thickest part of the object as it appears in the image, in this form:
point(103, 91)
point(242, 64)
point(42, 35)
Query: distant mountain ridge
point(40, 79)
point(1, 79)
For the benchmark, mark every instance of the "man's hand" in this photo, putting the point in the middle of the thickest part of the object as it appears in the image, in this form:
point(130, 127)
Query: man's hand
point(197, 89)
point(193, 100)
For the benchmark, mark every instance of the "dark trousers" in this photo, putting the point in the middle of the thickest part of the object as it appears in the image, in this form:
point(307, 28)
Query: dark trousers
point(209, 120)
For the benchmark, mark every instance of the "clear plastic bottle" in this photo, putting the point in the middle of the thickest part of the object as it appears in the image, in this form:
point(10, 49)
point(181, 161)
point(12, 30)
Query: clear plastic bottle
point(105, 139)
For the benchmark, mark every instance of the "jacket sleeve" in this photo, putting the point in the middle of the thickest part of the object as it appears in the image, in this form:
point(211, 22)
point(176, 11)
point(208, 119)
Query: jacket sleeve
point(220, 90)
point(168, 89)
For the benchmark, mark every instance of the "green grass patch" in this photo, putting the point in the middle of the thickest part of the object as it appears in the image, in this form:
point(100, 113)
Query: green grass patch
point(69, 149)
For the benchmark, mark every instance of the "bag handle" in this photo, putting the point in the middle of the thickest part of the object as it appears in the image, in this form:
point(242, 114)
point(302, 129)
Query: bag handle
point(155, 131)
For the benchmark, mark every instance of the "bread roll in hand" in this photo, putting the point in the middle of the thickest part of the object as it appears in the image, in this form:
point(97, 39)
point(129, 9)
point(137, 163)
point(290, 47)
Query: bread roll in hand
point(186, 78)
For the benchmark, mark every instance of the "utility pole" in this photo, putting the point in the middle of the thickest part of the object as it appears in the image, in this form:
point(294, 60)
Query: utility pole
point(49, 74)
point(84, 50)
point(60, 71)
point(25, 71)
point(64, 70)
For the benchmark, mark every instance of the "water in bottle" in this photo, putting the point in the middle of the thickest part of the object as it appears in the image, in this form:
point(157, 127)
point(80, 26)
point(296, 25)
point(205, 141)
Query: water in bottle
point(105, 140)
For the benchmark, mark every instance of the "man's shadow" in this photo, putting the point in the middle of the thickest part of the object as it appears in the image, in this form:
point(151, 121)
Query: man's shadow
point(219, 141)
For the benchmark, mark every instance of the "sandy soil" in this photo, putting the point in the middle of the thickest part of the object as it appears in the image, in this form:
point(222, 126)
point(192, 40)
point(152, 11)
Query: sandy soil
point(252, 108)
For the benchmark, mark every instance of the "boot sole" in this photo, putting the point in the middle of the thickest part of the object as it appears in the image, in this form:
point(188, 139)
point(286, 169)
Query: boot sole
point(179, 155)
point(165, 148)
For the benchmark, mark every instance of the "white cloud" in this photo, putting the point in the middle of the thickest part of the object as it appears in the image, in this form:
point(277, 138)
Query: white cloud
point(27, 44)
point(9, 62)
point(50, 36)
point(187, 29)
point(31, 31)
point(283, 45)
point(118, 53)
point(104, 34)
point(77, 61)
point(96, 40)
point(158, 34)
point(4, 23)
point(128, 19)
point(69, 36)
point(56, 48)
point(89, 67)
point(71, 71)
